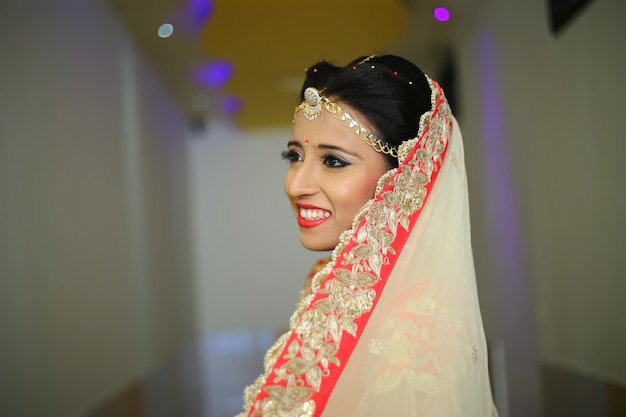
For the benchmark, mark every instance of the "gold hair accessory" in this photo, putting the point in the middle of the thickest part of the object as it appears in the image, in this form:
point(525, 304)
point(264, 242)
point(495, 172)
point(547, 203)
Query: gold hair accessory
point(312, 104)
point(312, 108)
point(366, 59)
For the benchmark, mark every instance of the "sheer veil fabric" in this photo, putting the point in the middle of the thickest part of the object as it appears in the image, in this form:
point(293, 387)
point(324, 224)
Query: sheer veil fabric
point(392, 326)
point(423, 351)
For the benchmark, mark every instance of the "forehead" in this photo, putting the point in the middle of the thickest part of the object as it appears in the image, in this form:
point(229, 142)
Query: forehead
point(328, 128)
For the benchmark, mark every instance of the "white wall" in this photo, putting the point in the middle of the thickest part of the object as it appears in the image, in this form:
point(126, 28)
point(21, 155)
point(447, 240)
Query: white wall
point(542, 125)
point(95, 285)
point(248, 261)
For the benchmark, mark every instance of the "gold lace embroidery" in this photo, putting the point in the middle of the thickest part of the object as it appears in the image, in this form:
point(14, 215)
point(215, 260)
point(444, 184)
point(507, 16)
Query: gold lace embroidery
point(349, 294)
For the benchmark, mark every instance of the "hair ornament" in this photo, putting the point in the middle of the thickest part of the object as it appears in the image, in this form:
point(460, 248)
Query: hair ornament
point(364, 60)
point(312, 105)
point(312, 108)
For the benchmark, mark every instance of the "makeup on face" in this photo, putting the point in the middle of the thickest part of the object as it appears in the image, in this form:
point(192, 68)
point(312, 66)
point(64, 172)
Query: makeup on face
point(331, 175)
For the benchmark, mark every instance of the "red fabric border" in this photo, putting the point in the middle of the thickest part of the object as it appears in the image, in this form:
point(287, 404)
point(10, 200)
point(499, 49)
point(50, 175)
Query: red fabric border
point(348, 342)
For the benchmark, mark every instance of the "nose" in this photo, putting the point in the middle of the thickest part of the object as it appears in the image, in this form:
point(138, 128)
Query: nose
point(300, 180)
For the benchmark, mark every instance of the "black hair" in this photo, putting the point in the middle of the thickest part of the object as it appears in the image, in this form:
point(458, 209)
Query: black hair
point(389, 91)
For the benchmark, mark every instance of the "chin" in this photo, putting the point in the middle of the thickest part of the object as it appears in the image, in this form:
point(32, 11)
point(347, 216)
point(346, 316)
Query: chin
point(317, 246)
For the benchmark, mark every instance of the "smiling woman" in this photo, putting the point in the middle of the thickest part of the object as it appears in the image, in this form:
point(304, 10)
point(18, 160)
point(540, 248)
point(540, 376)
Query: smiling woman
point(330, 176)
point(376, 174)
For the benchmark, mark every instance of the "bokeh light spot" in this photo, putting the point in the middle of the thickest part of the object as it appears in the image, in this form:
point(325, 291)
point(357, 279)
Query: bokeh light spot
point(442, 14)
point(231, 105)
point(214, 75)
point(201, 102)
point(165, 30)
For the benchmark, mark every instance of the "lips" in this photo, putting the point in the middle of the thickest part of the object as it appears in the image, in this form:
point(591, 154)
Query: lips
point(311, 216)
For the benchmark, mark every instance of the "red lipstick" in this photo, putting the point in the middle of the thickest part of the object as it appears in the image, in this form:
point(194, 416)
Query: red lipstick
point(306, 223)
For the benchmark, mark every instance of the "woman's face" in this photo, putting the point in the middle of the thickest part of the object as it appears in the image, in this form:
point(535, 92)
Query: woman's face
point(331, 174)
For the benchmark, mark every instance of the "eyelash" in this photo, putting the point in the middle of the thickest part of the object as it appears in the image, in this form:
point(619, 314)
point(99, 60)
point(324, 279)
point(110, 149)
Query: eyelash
point(329, 160)
point(291, 156)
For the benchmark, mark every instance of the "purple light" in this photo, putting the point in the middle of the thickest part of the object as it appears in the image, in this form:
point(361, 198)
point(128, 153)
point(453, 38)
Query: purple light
point(199, 12)
point(501, 204)
point(214, 75)
point(442, 14)
point(231, 105)
point(192, 16)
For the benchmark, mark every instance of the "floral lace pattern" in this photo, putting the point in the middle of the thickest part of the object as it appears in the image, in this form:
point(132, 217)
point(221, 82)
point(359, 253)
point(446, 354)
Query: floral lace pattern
point(327, 323)
point(417, 331)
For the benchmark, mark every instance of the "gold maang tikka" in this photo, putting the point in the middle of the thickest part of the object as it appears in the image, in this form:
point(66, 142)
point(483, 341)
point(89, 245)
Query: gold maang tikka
point(311, 109)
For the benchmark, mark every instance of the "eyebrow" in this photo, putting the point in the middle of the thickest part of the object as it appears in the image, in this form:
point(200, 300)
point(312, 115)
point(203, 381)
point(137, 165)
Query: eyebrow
point(324, 146)
point(337, 148)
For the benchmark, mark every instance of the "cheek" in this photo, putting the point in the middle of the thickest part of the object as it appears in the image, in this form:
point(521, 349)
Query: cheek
point(356, 193)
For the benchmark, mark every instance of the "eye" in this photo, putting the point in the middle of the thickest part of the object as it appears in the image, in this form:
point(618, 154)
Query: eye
point(333, 161)
point(291, 156)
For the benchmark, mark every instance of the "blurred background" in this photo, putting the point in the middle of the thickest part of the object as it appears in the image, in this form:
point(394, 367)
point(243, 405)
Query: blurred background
point(148, 255)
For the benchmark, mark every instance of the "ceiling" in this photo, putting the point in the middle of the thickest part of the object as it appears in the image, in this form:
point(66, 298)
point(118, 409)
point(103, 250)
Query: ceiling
point(270, 43)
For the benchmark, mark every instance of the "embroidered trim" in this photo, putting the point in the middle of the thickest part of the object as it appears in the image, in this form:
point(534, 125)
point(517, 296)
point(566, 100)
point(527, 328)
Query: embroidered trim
point(304, 364)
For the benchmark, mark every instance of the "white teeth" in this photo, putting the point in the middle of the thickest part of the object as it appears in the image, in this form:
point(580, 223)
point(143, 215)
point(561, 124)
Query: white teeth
point(312, 214)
